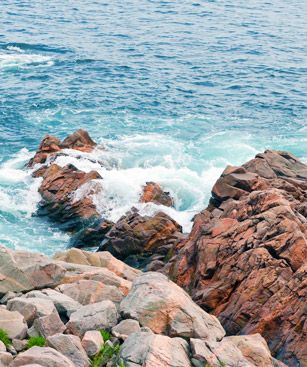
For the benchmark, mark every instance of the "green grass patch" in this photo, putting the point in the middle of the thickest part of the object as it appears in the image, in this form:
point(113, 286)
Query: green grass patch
point(5, 338)
point(106, 353)
point(106, 335)
point(35, 341)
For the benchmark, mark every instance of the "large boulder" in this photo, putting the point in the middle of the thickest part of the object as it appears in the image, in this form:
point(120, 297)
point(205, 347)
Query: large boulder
point(158, 303)
point(245, 258)
point(46, 357)
point(97, 316)
point(13, 323)
point(152, 192)
point(135, 234)
point(50, 145)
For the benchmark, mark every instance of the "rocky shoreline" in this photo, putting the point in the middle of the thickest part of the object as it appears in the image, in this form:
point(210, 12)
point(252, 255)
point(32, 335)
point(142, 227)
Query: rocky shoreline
point(243, 264)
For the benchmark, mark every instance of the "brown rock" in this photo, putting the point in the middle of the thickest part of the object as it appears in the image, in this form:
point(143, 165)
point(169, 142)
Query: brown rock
point(152, 192)
point(245, 259)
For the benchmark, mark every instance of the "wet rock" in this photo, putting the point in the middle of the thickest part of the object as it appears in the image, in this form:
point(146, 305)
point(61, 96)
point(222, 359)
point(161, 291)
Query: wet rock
point(150, 350)
point(47, 357)
point(92, 342)
point(97, 316)
point(91, 291)
point(125, 328)
point(50, 145)
point(136, 234)
point(152, 192)
point(49, 325)
point(158, 303)
point(13, 323)
point(70, 346)
point(245, 258)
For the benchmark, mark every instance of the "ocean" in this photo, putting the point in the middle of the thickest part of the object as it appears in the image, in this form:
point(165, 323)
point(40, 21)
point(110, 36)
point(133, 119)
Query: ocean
point(174, 91)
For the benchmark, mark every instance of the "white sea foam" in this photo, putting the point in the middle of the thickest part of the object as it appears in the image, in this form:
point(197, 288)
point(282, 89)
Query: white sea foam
point(23, 60)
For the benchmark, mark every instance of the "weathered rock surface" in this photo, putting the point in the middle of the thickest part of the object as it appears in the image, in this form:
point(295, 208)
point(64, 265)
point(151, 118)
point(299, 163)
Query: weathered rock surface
point(50, 145)
point(165, 308)
point(150, 350)
point(97, 316)
point(49, 325)
point(92, 342)
point(245, 259)
point(13, 323)
point(70, 346)
point(125, 328)
point(46, 357)
point(152, 192)
point(134, 234)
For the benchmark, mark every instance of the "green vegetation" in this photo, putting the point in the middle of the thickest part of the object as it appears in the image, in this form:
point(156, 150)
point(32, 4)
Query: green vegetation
point(106, 353)
point(5, 338)
point(106, 335)
point(35, 341)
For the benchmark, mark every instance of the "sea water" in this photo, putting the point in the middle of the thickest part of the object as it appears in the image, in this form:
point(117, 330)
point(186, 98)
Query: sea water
point(173, 90)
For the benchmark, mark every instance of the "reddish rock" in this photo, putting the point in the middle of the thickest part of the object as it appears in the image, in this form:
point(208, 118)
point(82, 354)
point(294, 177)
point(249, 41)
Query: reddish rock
point(245, 259)
point(152, 192)
point(134, 234)
point(79, 140)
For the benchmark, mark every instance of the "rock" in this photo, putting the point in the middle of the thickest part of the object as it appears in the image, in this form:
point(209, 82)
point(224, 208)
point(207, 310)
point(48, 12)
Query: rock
point(150, 350)
point(158, 303)
point(65, 305)
point(202, 352)
point(58, 200)
point(91, 291)
point(5, 359)
point(13, 323)
point(245, 258)
point(97, 316)
point(19, 345)
point(101, 259)
point(24, 271)
point(92, 342)
point(152, 192)
point(47, 357)
point(70, 346)
point(125, 328)
point(50, 145)
point(31, 308)
point(49, 325)
point(136, 234)
point(2, 347)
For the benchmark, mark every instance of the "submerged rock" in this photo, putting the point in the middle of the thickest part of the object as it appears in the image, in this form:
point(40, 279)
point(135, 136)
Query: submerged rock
point(245, 259)
point(152, 192)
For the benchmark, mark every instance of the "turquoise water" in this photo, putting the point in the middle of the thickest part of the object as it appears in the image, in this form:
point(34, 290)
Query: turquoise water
point(174, 90)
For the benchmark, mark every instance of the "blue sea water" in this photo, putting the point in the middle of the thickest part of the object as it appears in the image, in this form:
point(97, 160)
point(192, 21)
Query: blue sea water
point(175, 90)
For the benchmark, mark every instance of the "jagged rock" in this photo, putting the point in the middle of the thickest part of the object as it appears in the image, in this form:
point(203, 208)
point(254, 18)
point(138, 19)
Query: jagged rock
point(97, 316)
point(125, 328)
point(150, 350)
point(245, 258)
point(31, 308)
point(70, 346)
point(158, 303)
point(92, 342)
point(49, 325)
point(91, 291)
point(50, 145)
point(136, 234)
point(152, 192)
point(65, 305)
point(13, 323)
point(47, 357)
point(23, 271)
point(101, 259)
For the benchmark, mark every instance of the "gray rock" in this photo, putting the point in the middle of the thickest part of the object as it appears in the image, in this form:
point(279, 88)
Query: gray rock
point(91, 291)
point(49, 325)
point(150, 350)
point(13, 323)
point(65, 305)
point(165, 308)
point(101, 315)
point(5, 359)
point(202, 353)
point(19, 345)
point(70, 346)
point(31, 308)
point(92, 342)
point(47, 357)
point(125, 328)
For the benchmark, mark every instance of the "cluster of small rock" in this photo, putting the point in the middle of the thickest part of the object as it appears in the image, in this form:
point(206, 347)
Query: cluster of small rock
point(68, 300)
